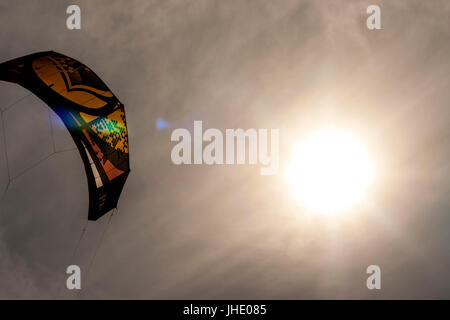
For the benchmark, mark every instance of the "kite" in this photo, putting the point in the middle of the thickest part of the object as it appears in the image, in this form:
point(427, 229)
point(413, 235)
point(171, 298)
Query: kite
point(93, 115)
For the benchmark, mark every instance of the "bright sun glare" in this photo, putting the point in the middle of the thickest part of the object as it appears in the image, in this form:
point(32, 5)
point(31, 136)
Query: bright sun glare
point(330, 172)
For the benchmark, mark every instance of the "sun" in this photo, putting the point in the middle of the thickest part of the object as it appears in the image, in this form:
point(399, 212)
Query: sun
point(330, 172)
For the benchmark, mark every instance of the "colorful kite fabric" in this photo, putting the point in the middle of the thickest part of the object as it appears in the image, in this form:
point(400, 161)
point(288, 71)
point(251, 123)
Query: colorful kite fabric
point(91, 112)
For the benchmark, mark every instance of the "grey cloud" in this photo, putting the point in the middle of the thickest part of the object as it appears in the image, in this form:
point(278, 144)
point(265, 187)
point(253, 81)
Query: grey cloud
point(226, 232)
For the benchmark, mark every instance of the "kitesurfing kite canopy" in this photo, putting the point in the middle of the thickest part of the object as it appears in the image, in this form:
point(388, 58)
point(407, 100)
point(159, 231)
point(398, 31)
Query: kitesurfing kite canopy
point(93, 115)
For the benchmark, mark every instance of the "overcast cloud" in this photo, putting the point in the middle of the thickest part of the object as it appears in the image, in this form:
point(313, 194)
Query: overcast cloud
point(199, 232)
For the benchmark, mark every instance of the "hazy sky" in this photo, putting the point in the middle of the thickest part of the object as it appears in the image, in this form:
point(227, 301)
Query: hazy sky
point(226, 231)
